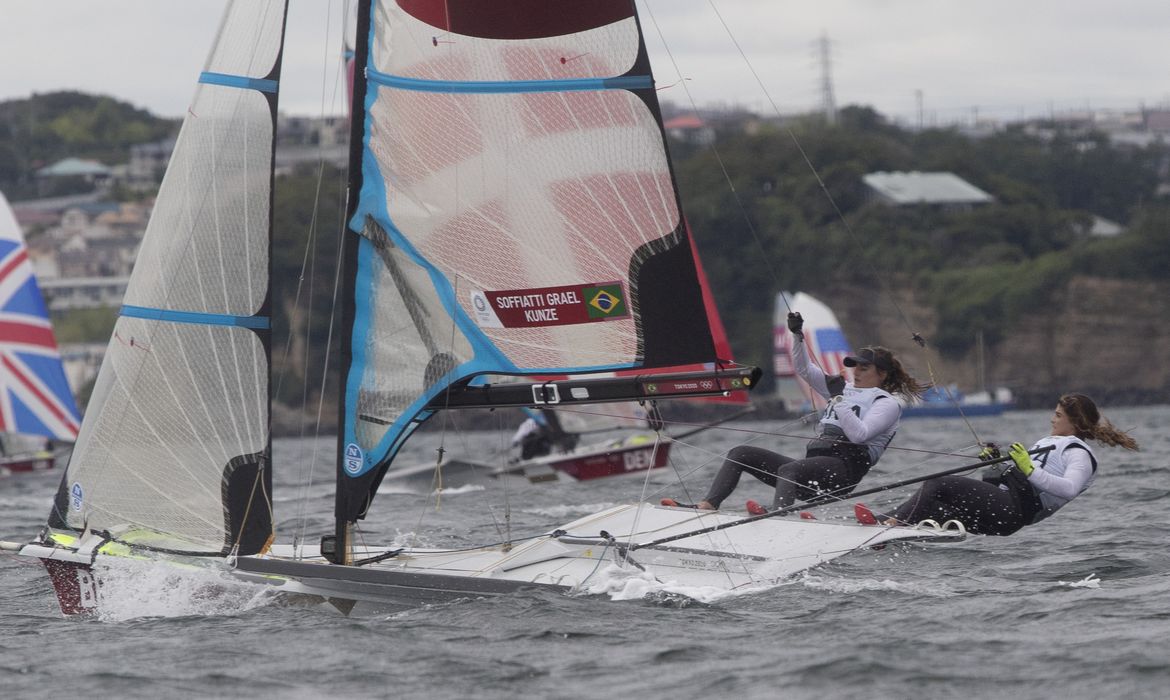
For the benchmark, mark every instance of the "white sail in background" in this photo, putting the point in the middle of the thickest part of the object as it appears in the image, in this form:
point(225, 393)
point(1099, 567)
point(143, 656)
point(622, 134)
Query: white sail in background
point(823, 338)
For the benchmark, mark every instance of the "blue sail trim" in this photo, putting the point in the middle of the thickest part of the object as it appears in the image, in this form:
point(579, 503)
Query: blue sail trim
point(238, 81)
point(626, 82)
point(487, 358)
point(194, 317)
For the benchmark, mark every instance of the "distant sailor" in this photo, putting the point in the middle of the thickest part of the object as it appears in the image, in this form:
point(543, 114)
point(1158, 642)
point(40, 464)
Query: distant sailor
point(857, 425)
point(1028, 491)
point(539, 433)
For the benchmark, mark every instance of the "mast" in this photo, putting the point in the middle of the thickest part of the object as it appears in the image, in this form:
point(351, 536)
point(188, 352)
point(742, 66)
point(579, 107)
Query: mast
point(338, 551)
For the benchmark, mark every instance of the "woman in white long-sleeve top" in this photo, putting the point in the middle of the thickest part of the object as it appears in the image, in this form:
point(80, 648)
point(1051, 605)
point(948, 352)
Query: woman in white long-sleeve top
point(857, 425)
point(1031, 490)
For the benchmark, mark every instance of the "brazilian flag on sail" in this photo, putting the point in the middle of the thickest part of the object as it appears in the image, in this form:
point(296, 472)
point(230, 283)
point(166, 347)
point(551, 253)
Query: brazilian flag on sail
point(605, 301)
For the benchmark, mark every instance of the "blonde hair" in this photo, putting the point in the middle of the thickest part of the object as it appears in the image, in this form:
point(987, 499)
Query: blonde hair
point(1089, 425)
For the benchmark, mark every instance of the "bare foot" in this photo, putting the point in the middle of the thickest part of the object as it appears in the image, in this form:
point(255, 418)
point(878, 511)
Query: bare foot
point(705, 505)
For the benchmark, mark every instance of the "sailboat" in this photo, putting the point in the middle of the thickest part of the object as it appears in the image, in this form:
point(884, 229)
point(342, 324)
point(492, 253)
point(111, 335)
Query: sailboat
point(512, 213)
point(38, 414)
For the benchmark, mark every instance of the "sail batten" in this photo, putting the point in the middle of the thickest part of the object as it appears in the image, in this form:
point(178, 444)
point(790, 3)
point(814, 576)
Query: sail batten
point(194, 317)
point(625, 82)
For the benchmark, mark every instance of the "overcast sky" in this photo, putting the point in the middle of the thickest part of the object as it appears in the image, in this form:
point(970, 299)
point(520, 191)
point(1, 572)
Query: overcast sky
point(1006, 58)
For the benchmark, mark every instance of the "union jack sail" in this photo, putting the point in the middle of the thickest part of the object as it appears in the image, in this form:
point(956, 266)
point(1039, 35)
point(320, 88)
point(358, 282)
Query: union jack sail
point(35, 397)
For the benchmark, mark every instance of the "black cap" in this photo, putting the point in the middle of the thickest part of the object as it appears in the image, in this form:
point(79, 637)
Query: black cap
point(866, 356)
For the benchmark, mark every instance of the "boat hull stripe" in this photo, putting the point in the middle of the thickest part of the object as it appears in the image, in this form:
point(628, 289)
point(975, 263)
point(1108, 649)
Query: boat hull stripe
point(194, 317)
point(238, 81)
point(628, 82)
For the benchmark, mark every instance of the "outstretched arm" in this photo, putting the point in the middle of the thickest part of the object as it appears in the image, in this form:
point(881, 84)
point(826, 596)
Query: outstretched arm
point(806, 370)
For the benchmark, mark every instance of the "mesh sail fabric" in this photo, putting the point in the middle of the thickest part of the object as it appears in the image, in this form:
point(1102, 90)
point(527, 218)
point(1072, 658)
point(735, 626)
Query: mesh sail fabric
point(156, 455)
point(501, 161)
point(180, 408)
point(410, 341)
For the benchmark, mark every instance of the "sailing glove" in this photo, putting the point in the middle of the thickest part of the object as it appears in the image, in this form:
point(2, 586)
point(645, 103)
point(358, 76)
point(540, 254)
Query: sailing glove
point(990, 452)
point(795, 323)
point(1019, 455)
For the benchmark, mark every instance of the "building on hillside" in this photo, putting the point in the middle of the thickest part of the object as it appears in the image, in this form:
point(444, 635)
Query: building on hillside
point(690, 128)
point(943, 190)
point(148, 161)
point(70, 173)
point(64, 294)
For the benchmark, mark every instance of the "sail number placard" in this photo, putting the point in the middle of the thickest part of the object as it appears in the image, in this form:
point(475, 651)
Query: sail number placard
point(550, 306)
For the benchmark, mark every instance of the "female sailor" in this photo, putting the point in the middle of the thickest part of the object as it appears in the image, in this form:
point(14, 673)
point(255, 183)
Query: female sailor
point(1026, 492)
point(857, 425)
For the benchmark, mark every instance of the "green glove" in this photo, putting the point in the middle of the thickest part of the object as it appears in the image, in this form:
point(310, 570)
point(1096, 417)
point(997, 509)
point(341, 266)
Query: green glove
point(990, 452)
point(1019, 455)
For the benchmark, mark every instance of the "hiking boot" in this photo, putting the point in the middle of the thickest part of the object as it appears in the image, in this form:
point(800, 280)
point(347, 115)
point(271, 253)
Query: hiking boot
point(864, 515)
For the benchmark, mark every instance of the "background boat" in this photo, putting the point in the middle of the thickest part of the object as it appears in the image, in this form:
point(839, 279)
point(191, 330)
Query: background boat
point(39, 417)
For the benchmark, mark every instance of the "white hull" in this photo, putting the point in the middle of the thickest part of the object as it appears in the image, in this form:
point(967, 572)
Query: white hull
point(747, 556)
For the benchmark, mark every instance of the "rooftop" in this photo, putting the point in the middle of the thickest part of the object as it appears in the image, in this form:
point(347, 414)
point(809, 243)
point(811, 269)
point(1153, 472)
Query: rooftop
point(925, 188)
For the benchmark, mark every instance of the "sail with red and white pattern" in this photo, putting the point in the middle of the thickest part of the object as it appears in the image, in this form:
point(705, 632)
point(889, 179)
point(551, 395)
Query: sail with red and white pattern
point(517, 214)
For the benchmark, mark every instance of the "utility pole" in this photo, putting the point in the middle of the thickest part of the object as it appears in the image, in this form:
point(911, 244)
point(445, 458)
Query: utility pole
point(828, 102)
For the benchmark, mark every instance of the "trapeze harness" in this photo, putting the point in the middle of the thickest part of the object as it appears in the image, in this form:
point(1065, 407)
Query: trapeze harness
point(832, 438)
point(1037, 501)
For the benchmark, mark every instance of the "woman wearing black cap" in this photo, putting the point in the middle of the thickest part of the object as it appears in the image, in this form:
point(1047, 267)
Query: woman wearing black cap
point(1007, 500)
point(858, 423)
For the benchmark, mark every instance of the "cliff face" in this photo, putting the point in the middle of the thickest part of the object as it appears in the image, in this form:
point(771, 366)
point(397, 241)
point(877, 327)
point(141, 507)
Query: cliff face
point(1104, 337)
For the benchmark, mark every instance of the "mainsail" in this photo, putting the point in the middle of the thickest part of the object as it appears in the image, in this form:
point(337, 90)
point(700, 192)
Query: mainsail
point(516, 209)
point(35, 398)
point(181, 402)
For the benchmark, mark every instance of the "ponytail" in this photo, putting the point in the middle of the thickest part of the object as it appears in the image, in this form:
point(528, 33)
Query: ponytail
point(898, 380)
point(1089, 425)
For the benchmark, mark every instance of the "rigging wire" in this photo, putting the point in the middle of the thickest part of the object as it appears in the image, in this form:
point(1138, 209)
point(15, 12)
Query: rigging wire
point(310, 253)
point(883, 281)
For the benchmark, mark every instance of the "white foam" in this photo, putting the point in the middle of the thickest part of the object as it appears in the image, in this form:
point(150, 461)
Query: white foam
point(819, 581)
point(136, 588)
point(631, 583)
point(1087, 582)
point(458, 490)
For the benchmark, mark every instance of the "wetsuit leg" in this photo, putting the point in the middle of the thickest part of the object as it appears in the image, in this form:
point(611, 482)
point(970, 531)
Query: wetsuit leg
point(983, 508)
point(758, 462)
point(814, 476)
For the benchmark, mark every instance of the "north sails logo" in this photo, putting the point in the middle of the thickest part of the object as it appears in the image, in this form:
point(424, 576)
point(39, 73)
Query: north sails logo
point(353, 459)
point(76, 496)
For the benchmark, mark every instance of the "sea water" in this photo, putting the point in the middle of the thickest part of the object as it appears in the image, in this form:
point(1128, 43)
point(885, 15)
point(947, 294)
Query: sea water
point(1076, 607)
